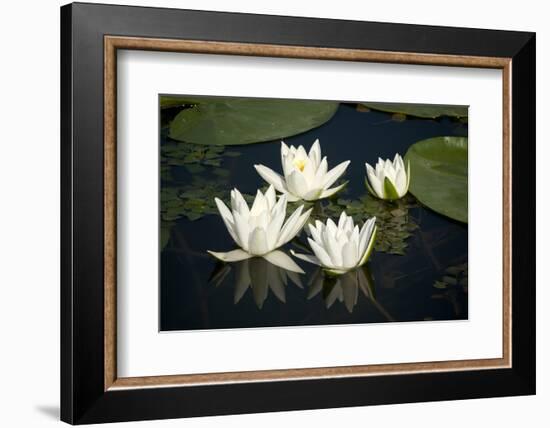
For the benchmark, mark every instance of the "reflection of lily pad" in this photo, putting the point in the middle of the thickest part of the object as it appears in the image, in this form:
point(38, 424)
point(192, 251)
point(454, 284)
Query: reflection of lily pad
point(244, 121)
point(439, 175)
point(429, 111)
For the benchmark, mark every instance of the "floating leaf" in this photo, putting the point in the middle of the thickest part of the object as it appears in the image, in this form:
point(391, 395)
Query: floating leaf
point(439, 175)
point(429, 111)
point(245, 121)
point(168, 101)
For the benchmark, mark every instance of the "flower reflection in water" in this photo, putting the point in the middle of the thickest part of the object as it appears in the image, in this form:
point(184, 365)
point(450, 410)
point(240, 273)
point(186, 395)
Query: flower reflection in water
point(345, 288)
point(259, 275)
point(262, 277)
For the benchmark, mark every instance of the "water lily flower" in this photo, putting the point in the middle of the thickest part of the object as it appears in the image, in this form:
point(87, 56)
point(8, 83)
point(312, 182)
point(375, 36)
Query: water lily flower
point(305, 175)
point(390, 180)
point(261, 229)
point(340, 248)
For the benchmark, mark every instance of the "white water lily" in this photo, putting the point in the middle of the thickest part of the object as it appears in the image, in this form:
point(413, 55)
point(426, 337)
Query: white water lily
point(389, 180)
point(305, 175)
point(261, 229)
point(340, 248)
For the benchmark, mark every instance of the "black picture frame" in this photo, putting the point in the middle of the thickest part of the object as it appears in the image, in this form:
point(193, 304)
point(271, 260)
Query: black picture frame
point(83, 396)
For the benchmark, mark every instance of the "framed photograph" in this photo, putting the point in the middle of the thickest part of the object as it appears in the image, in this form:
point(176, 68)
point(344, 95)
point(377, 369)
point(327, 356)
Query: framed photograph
point(265, 213)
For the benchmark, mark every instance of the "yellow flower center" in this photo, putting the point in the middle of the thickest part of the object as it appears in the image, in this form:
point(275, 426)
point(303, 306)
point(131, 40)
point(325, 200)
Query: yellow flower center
point(300, 164)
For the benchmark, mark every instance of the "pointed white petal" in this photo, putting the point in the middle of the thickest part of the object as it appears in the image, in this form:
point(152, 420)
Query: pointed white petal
point(306, 257)
point(334, 174)
point(321, 172)
point(274, 229)
point(241, 229)
point(342, 220)
point(238, 203)
point(315, 233)
point(313, 194)
point(321, 254)
point(376, 185)
point(270, 197)
point(370, 169)
point(365, 234)
point(315, 154)
point(297, 226)
point(287, 227)
point(292, 198)
point(350, 258)
point(369, 249)
point(308, 172)
point(301, 152)
point(271, 177)
point(227, 219)
point(259, 205)
point(329, 192)
point(284, 149)
point(282, 260)
point(257, 243)
point(231, 256)
point(296, 184)
point(401, 182)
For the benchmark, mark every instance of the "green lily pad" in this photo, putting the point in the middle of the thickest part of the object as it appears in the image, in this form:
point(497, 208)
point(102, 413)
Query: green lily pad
point(439, 175)
point(168, 101)
point(245, 121)
point(428, 111)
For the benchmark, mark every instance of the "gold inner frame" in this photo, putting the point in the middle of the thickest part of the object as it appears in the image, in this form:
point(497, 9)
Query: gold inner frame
point(113, 43)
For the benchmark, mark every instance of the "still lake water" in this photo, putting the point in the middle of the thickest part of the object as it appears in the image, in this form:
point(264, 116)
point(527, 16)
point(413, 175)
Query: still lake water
point(198, 292)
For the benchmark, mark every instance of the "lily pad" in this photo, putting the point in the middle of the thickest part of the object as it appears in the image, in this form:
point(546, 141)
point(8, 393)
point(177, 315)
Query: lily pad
point(439, 175)
point(245, 121)
point(428, 111)
point(169, 101)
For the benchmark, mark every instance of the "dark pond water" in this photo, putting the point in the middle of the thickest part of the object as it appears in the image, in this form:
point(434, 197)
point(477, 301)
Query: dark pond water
point(428, 282)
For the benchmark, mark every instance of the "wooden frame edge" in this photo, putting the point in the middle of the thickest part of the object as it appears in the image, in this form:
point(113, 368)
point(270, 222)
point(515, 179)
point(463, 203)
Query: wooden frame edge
point(112, 43)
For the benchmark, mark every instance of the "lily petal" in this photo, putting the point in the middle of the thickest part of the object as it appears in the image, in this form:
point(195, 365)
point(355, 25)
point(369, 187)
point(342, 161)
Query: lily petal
point(257, 243)
point(241, 229)
point(321, 254)
point(298, 225)
point(282, 260)
point(369, 248)
point(296, 184)
point(329, 192)
point(227, 219)
point(231, 256)
point(272, 178)
point(292, 198)
point(334, 174)
point(306, 257)
point(315, 153)
point(287, 227)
